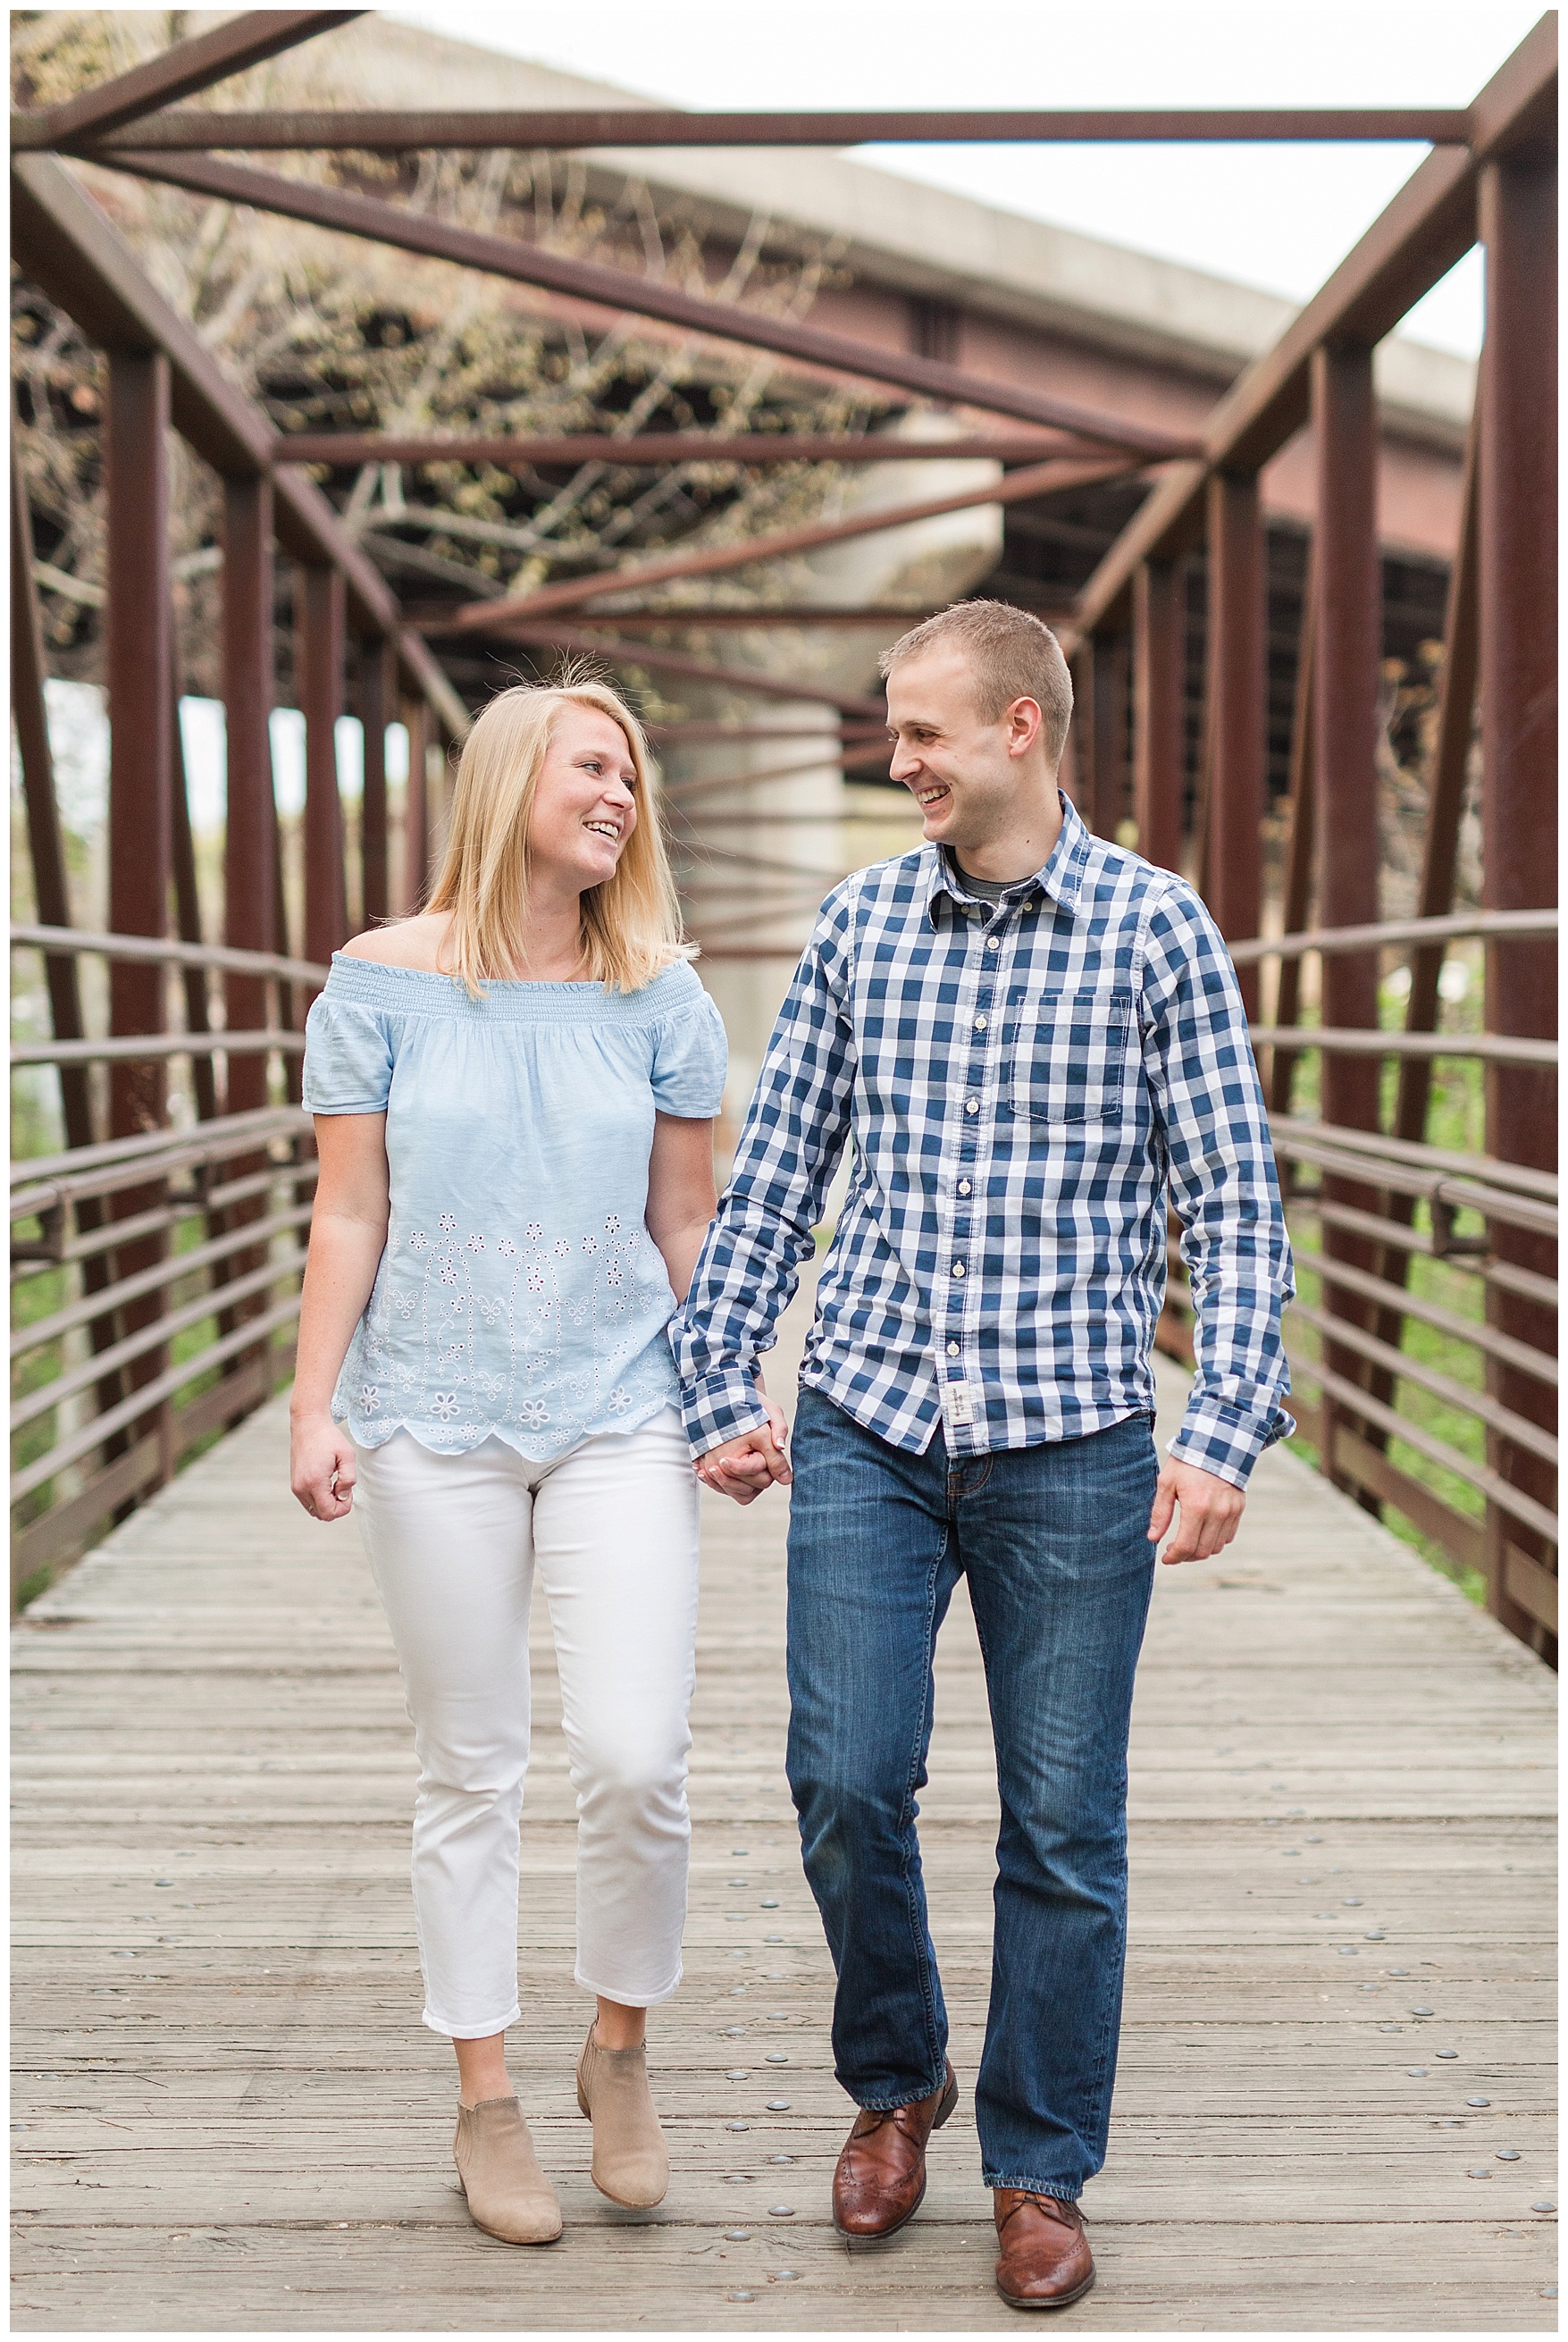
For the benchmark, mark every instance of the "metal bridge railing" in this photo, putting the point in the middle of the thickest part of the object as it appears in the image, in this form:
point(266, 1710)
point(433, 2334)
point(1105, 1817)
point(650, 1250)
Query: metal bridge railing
point(1384, 1201)
point(153, 1276)
point(143, 1361)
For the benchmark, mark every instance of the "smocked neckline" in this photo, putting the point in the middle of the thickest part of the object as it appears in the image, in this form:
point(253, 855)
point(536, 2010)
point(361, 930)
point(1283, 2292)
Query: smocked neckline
point(487, 983)
point(376, 981)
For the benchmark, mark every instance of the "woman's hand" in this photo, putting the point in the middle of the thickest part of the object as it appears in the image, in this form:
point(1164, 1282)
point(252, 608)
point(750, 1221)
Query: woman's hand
point(744, 1467)
point(322, 1467)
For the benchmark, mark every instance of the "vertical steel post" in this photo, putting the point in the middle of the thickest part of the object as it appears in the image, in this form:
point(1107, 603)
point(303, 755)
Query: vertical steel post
point(1159, 710)
point(50, 894)
point(1346, 665)
point(46, 842)
point(137, 659)
point(1300, 855)
point(137, 664)
point(250, 873)
point(416, 808)
point(1518, 635)
point(252, 878)
point(319, 665)
point(377, 682)
point(1236, 683)
point(1107, 779)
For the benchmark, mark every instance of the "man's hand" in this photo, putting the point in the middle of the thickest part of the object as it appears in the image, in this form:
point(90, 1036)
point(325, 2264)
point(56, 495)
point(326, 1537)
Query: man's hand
point(744, 1467)
point(1211, 1511)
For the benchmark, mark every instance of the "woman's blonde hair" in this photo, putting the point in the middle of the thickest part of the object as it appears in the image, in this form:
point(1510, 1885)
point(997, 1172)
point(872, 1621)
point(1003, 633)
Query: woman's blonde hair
point(630, 924)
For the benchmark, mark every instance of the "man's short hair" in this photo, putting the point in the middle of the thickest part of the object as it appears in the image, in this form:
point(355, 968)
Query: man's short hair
point(1013, 656)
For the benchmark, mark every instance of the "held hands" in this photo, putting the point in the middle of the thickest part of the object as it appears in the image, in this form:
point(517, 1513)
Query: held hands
point(1211, 1511)
point(321, 1469)
point(744, 1467)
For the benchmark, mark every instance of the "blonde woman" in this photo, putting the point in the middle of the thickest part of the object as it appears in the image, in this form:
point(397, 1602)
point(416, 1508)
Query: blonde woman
point(513, 1097)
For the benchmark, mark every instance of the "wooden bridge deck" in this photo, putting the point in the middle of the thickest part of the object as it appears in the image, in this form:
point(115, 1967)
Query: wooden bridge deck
point(227, 2115)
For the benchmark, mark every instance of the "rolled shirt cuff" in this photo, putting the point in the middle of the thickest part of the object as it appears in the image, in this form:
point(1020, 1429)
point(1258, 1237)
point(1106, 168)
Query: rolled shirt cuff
point(721, 1406)
point(1218, 1437)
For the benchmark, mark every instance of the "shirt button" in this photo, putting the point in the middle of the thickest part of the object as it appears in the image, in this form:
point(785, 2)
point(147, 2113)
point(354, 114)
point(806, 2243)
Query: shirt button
point(953, 1349)
point(963, 1187)
point(980, 1024)
point(972, 1105)
point(958, 1268)
point(991, 942)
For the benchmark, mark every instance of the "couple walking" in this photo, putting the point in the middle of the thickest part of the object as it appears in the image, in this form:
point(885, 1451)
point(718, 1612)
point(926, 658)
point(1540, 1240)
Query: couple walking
point(523, 1321)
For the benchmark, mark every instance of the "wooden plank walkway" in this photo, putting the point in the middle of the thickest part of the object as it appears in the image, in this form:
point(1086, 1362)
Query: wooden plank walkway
point(227, 2115)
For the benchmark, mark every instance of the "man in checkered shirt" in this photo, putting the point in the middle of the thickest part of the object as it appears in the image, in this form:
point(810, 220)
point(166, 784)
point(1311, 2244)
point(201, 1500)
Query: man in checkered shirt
point(1031, 1040)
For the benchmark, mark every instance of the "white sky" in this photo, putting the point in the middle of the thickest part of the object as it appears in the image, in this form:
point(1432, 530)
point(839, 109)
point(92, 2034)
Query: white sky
point(1279, 218)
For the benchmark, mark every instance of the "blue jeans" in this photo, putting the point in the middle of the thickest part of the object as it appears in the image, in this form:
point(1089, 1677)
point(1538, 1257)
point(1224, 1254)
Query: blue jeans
point(1053, 1542)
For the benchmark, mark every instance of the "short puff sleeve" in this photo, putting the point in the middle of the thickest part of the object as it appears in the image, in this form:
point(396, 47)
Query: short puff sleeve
point(691, 1058)
point(348, 1056)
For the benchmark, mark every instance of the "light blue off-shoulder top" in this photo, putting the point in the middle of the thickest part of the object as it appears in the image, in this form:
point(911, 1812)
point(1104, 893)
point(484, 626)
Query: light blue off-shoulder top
point(520, 1295)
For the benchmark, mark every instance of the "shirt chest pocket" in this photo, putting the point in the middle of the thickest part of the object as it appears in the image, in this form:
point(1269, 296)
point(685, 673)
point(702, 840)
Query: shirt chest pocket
point(1067, 1056)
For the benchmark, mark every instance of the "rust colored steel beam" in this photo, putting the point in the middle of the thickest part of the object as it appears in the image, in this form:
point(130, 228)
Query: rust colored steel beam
point(1301, 854)
point(1236, 683)
point(1416, 240)
point(63, 241)
point(656, 448)
point(540, 634)
point(848, 759)
point(249, 876)
point(711, 560)
point(550, 636)
point(1445, 806)
point(680, 736)
point(179, 72)
point(1517, 543)
point(376, 699)
point(870, 615)
point(1345, 675)
point(415, 810)
point(561, 128)
point(319, 656)
point(1104, 773)
point(1159, 710)
point(1347, 672)
point(45, 840)
point(1446, 799)
point(137, 667)
point(623, 293)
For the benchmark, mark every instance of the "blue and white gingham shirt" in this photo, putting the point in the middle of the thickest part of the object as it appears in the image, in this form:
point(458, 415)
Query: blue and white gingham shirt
point(1022, 1082)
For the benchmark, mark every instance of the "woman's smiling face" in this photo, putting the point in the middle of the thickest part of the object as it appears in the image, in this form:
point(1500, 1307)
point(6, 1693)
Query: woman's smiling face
point(584, 802)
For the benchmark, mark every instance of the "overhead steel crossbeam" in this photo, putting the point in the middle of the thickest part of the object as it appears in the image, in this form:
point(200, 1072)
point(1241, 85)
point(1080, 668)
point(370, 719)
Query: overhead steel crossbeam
point(700, 617)
point(1427, 228)
point(543, 635)
point(709, 560)
point(67, 246)
point(655, 449)
point(179, 72)
point(557, 128)
point(616, 289)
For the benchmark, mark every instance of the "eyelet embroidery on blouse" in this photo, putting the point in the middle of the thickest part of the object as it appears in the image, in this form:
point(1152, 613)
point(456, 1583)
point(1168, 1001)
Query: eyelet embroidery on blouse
point(450, 1371)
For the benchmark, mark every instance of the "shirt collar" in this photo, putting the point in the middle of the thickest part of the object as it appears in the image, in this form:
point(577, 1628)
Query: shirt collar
point(1061, 876)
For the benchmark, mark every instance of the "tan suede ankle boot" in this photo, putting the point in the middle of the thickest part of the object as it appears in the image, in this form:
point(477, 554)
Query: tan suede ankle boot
point(508, 2194)
point(631, 2162)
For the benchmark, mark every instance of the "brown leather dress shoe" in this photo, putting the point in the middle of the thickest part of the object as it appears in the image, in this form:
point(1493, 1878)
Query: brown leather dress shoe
point(880, 2177)
point(1042, 2260)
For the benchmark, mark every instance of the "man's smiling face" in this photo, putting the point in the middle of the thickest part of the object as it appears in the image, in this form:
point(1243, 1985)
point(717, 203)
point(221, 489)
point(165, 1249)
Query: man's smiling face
point(963, 772)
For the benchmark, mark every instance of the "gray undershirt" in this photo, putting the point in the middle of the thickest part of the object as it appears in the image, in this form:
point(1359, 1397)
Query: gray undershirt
point(985, 890)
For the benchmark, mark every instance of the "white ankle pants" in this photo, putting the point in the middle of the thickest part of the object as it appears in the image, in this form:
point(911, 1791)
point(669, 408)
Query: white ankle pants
point(452, 1541)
